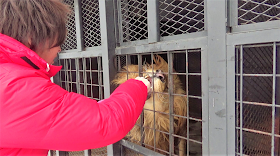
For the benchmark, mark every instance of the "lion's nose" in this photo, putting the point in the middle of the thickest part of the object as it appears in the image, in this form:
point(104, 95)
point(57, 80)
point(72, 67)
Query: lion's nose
point(159, 75)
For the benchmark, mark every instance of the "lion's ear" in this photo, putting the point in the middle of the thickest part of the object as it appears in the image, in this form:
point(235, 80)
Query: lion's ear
point(160, 62)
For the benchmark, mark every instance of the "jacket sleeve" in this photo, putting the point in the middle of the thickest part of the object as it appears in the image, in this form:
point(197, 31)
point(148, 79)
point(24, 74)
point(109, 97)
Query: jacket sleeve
point(45, 116)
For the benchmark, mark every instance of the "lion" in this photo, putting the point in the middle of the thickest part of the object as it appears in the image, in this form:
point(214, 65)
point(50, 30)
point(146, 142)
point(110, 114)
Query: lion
point(159, 102)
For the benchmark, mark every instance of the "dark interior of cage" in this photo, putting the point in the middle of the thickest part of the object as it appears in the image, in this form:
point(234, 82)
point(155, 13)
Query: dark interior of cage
point(83, 76)
point(260, 123)
point(187, 65)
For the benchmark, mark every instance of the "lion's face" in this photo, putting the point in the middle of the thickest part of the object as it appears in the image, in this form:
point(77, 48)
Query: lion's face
point(157, 79)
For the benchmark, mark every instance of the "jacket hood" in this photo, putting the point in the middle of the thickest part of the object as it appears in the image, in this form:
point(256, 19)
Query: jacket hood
point(12, 51)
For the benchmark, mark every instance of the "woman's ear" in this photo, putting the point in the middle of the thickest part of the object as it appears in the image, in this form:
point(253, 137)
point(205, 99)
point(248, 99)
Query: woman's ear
point(28, 42)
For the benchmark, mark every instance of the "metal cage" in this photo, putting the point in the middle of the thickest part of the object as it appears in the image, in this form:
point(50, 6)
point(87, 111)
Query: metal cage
point(225, 53)
point(189, 74)
point(257, 101)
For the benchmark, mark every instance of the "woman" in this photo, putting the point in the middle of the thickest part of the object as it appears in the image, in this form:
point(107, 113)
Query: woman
point(37, 115)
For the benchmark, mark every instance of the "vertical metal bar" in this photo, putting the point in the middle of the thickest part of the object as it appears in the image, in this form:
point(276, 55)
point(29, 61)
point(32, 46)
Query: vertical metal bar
point(77, 75)
point(106, 11)
point(237, 67)
point(126, 65)
point(273, 100)
point(59, 79)
point(188, 103)
point(231, 89)
point(79, 26)
point(91, 91)
point(154, 105)
point(86, 153)
point(49, 153)
point(108, 40)
point(120, 20)
point(116, 21)
point(70, 76)
point(128, 60)
point(122, 149)
point(241, 100)
point(99, 78)
point(119, 67)
point(277, 100)
point(232, 13)
point(205, 103)
point(85, 77)
point(171, 101)
point(216, 45)
point(237, 81)
point(73, 81)
point(140, 70)
point(153, 21)
point(66, 74)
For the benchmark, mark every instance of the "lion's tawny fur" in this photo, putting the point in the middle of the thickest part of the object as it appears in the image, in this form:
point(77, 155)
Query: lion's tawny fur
point(161, 102)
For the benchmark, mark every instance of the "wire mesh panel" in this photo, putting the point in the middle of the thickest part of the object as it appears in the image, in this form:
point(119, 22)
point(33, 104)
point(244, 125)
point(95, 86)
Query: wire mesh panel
point(83, 76)
point(181, 16)
point(172, 117)
point(79, 153)
point(99, 152)
point(129, 152)
point(71, 40)
point(91, 23)
point(133, 20)
point(257, 99)
point(254, 11)
point(94, 152)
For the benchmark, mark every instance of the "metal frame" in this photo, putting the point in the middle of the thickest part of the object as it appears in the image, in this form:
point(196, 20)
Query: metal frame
point(217, 42)
point(232, 41)
point(216, 48)
point(153, 21)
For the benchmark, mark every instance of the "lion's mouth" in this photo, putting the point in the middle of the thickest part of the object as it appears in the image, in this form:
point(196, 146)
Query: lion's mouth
point(158, 74)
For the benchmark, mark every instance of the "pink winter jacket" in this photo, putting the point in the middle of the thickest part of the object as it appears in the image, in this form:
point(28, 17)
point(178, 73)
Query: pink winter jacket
point(37, 115)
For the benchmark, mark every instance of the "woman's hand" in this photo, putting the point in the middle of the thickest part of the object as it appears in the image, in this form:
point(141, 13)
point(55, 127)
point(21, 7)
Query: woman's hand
point(147, 83)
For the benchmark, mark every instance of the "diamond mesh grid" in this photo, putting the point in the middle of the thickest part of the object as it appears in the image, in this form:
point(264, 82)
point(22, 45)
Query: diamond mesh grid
point(91, 23)
point(257, 110)
point(83, 76)
point(134, 20)
point(190, 76)
point(255, 11)
point(99, 151)
point(71, 41)
point(181, 16)
point(78, 153)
